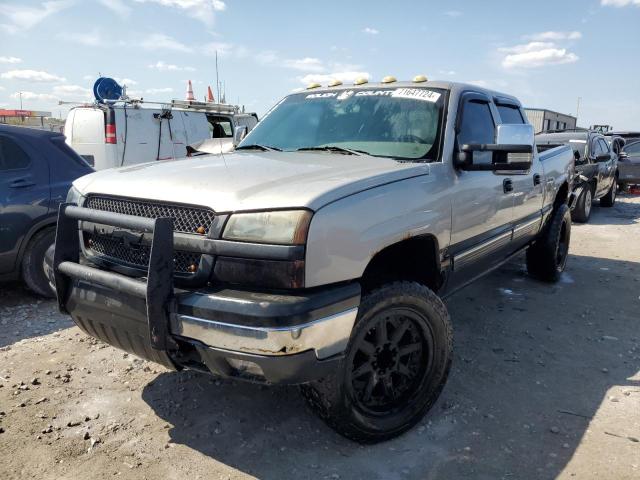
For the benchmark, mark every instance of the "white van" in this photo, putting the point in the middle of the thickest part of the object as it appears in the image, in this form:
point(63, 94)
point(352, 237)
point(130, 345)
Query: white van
point(116, 135)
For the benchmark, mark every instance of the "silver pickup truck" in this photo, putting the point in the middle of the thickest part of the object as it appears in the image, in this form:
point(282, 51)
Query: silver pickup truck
point(318, 253)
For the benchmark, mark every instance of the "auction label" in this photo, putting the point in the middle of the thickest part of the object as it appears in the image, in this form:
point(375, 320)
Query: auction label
point(416, 94)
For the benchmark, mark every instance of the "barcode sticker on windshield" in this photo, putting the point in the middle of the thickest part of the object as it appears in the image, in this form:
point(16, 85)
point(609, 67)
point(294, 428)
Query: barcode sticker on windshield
point(416, 94)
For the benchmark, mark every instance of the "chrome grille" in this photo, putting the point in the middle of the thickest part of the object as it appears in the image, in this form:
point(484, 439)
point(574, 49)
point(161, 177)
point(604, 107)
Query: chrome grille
point(138, 256)
point(185, 219)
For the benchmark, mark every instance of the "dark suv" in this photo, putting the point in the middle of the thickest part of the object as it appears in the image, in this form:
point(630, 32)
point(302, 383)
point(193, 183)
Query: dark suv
point(596, 168)
point(36, 171)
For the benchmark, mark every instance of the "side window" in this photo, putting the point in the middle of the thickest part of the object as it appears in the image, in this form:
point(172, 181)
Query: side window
point(12, 157)
point(604, 146)
point(509, 114)
point(633, 148)
point(596, 148)
point(477, 127)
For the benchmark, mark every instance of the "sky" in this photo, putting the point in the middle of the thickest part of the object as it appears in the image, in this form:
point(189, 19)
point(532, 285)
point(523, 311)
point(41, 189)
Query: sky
point(547, 53)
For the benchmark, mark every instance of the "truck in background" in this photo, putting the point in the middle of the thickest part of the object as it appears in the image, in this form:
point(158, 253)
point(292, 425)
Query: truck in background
point(117, 134)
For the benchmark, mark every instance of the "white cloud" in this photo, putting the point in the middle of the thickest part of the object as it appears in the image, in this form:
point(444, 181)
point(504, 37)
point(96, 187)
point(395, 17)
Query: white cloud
point(446, 72)
point(117, 6)
point(125, 81)
point(153, 91)
point(223, 49)
point(620, 3)
point(168, 67)
point(267, 57)
point(31, 76)
point(72, 91)
point(370, 31)
point(346, 77)
point(1, 88)
point(554, 36)
point(203, 10)
point(535, 54)
point(453, 13)
point(307, 64)
point(89, 39)
point(34, 96)
point(10, 60)
point(23, 17)
point(160, 41)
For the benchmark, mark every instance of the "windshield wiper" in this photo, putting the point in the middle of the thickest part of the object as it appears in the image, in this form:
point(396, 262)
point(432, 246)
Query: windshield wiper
point(255, 146)
point(333, 148)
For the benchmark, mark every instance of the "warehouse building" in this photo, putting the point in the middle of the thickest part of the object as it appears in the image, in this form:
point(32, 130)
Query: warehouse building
point(546, 120)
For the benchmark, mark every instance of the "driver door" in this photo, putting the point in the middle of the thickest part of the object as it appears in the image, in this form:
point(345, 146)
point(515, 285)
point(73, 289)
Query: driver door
point(482, 200)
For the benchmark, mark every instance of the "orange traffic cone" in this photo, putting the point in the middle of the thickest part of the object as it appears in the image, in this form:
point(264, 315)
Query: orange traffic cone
point(210, 97)
point(190, 96)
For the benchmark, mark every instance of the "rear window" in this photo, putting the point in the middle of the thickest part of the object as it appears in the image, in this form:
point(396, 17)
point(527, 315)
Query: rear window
point(68, 152)
point(510, 114)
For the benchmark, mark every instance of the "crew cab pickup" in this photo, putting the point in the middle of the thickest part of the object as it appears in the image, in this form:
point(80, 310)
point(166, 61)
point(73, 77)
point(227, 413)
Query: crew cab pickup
point(596, 166)
point(319, 251)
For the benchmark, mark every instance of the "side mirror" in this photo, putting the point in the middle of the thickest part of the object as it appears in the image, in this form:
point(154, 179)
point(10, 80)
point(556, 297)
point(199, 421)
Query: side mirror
point(512, 150)
point(623, 156)
point(605, 157)
point(240, 133)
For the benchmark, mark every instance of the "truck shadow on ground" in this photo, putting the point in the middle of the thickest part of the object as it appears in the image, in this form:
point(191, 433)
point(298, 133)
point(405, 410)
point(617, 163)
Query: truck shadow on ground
point(533, 365)
point(23, 314)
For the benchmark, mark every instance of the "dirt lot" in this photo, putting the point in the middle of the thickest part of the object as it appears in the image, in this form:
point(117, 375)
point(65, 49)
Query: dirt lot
point(545, 384)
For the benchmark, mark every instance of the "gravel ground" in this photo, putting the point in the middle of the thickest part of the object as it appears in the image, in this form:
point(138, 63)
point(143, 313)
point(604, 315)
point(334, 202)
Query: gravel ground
point(545, 384)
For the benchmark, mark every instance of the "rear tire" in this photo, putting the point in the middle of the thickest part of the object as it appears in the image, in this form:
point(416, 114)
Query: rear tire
point(547, 257)
point(582, 210)
point(33, 267)
point(609, 199)
point(395, 366)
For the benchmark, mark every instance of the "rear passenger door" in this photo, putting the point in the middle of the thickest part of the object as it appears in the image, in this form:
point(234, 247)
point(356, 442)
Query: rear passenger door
point(24, 195)
point(527, 184)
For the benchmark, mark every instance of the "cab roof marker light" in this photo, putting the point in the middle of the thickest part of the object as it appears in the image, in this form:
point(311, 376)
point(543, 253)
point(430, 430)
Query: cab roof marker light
point(335, 83)
point(311, 86)
point(389, 79)
point(360, 81)
point(420, 79)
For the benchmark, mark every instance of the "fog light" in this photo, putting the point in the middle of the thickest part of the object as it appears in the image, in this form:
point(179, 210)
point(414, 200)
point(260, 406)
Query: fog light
point(246, 367)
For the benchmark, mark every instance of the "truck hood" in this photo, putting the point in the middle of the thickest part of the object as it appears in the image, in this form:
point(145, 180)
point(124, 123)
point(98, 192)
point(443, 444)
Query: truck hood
point(248, 180)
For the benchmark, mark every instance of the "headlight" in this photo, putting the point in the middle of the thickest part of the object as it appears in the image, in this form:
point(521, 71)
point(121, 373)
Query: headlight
point(74, 196)
point(286, 227)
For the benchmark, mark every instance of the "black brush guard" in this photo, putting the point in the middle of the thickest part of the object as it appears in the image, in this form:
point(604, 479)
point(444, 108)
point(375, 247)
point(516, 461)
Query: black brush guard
point(157, 291)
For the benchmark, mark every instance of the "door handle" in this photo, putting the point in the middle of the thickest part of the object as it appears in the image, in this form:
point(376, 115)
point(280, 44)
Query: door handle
point(21, 183)
point(536, 179)
point(507, 185)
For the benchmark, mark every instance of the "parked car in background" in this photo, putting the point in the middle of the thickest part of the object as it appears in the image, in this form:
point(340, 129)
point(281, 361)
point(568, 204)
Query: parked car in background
point(36, 171)
point(318, 251)
point(129, 133)
point(596, 168)
point(629, 165)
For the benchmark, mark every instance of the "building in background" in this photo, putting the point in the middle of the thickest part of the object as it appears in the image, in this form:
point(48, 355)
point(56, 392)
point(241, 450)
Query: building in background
point(32, 119)
point(547, 120)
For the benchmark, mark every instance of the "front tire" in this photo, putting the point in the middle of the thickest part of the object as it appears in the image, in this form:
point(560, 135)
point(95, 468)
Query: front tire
point(547, 257)
point(395, 366)
point(582, 210)
point(33, 266)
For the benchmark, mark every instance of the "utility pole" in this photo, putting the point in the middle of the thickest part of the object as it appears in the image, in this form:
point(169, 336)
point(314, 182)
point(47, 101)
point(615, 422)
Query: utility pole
point(217, 79)
point(578, 110)
point(20, 95)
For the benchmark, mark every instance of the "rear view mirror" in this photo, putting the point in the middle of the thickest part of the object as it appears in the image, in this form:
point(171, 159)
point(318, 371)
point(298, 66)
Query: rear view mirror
point(239, 134)
point(512, 150)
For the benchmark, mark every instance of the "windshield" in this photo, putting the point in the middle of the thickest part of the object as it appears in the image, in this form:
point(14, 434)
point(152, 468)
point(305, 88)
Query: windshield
point(403, 123)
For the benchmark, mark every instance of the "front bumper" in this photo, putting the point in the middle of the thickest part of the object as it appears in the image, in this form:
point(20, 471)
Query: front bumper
point(264, 337)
